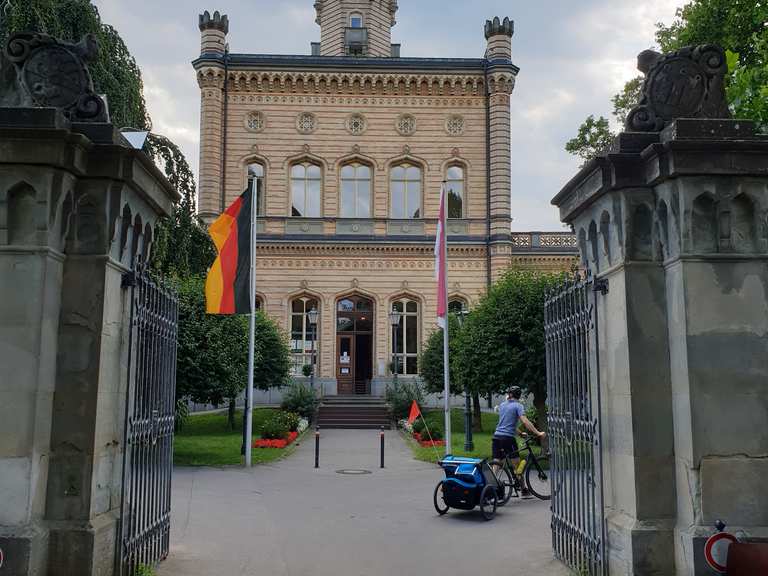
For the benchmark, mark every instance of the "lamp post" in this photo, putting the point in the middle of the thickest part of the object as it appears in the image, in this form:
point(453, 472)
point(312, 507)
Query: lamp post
point(394, 320)
point(312, 316)
point(469, 445)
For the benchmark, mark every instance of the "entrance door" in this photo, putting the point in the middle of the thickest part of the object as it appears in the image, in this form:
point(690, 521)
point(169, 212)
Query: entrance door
point(345, 371)
point(354, 345)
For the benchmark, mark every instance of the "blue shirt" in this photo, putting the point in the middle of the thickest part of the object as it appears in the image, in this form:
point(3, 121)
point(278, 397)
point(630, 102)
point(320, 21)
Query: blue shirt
point(509, 417)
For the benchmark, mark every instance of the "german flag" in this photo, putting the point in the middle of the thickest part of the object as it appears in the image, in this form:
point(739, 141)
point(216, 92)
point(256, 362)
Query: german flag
point(227, 288)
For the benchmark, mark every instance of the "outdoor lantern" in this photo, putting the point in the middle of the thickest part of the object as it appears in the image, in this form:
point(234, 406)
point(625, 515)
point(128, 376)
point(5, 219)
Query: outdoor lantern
point(394, 318)
point(312, 315)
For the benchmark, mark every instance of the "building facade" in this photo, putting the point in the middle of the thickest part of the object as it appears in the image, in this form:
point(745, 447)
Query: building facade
point(348, 149)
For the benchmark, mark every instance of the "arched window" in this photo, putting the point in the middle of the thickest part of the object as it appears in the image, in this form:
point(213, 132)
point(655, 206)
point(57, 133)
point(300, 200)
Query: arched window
point(303, 334)
point(405, 192)
point(457, 306)
point(405, 337)
point(454, 187)
point(259, 304)
point(306, 190)
point(355, 20)
point(355, 191)
point(256, 178)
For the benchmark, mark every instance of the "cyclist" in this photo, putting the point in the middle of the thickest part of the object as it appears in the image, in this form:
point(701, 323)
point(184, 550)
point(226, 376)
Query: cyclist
point(511, 413)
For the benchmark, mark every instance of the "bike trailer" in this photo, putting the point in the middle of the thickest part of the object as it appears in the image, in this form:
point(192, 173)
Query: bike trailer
point(465, 479)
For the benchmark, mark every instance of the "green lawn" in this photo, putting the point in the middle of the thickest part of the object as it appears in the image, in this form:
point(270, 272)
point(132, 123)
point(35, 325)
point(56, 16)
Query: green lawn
point(482, 440)
point(206, 440)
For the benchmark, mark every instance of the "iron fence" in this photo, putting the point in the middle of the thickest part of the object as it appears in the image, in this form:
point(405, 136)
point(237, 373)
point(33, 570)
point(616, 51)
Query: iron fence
point(573, 402)
point(144, 529)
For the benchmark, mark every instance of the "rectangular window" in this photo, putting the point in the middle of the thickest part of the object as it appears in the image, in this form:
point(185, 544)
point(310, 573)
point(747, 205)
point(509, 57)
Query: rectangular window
point(405, 337)
point(454, 188)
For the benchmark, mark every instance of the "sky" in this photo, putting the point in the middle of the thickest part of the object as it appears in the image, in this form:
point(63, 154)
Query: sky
point(573, 56)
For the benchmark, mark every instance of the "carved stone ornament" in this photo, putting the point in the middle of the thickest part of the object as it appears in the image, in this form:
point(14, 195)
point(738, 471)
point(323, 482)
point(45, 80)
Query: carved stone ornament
point(688, 83)
point(304, 284)
point(355, 283)
point(38, 71)
point(405, 285)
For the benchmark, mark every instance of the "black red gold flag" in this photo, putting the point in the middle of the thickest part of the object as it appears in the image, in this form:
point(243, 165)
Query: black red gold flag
point(227, 288)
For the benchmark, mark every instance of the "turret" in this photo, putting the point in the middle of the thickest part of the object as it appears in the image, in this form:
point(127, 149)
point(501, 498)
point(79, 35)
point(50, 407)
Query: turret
point(499, 33)
point(213, 33)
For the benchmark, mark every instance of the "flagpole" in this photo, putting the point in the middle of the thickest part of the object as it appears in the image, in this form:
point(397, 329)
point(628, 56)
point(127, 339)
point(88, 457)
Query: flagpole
point(444, 287)
point(252, 333)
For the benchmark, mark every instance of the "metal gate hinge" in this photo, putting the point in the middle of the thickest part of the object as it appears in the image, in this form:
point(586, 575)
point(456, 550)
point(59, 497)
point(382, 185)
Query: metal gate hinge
point(129, 280)
point(600, 285)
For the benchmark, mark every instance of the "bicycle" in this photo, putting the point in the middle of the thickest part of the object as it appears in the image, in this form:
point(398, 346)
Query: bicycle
point(535, 474)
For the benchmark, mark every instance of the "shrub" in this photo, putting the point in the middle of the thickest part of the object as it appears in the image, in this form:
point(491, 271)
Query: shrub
point(432, 421)
point(290, 419)
point(275, 427)
point(144, 570)
point(307, 370)
point(400, 396)
point(301, 400)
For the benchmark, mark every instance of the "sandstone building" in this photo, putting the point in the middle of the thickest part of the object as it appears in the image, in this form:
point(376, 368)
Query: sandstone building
point(348, 149)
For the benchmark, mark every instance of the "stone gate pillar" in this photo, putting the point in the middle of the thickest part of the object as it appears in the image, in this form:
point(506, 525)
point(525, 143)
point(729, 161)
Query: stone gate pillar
point(77, 205)
point(675, 218)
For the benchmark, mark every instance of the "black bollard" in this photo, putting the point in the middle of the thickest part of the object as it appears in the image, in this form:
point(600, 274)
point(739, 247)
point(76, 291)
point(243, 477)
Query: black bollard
point(317, 447)
point(382, 447)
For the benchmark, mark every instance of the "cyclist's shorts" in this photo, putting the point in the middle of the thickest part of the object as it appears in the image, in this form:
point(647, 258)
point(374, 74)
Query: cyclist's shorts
point(504, 445)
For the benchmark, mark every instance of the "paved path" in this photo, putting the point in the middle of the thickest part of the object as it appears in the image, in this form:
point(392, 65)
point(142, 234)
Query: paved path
point(288, 519)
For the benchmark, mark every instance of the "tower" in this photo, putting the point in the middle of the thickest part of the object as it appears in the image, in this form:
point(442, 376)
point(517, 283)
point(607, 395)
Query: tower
point(500, 83)
point(356, 27)
point(213, 46)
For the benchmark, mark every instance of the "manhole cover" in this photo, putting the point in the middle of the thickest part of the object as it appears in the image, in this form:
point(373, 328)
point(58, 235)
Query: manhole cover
point(353, 472)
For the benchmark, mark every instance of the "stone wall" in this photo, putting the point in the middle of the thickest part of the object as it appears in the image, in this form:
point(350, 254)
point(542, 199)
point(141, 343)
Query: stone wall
point(77, 206)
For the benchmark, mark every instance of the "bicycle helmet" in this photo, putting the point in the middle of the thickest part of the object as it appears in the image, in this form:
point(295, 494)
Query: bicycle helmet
point(516, 392)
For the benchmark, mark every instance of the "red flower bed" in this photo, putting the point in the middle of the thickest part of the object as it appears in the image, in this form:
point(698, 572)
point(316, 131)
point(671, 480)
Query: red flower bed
point(428, 443)
point(281, 443)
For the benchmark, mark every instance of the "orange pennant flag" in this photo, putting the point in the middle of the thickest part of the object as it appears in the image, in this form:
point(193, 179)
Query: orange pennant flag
point(415, 413)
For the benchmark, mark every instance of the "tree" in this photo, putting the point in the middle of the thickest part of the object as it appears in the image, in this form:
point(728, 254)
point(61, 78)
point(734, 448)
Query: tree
point(502, 341)
point(628, 98)
point(739, 26)
point(182, 246)
point(115, 72)
point(431, 361)
point(212, 362)
point(593, 138)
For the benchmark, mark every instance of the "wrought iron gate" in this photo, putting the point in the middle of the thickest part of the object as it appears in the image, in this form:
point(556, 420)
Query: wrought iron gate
point(144, 535)
point(573, 402)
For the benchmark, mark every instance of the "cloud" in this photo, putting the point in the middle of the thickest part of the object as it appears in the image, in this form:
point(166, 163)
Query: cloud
point(573, 57)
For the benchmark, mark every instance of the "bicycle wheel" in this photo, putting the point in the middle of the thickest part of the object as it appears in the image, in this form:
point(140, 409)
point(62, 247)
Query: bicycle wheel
point(537, 477)
point(488, 502)
point(505, 481)
point(439, 498)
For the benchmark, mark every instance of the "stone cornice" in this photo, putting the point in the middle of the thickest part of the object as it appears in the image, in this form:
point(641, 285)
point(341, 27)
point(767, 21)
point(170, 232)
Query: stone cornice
point(355, 83)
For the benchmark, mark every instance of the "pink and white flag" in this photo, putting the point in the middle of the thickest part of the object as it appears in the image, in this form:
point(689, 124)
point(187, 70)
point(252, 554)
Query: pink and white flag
point(441, 257)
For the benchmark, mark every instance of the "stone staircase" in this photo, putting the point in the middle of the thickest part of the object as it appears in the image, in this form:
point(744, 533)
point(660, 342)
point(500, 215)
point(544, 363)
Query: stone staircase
point(353, 412)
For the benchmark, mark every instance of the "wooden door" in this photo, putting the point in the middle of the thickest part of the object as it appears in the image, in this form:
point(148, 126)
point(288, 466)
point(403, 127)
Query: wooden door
point(345, 364)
